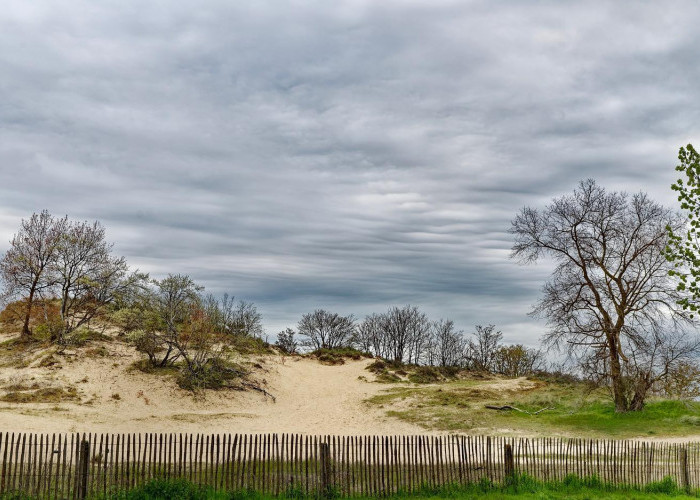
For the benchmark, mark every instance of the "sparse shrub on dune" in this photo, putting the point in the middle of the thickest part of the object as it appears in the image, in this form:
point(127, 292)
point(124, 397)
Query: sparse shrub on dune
point(338, 355)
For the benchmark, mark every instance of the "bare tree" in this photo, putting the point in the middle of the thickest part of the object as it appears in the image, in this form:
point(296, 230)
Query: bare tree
point(326, 330)
point(448, 345)
point(483, 348)
point(517, 360)
point(286, 341)
point(247, 320)
point(85, 275)
point(23, 268)
point(405, 331)
point(610, 293)
point(369, 336)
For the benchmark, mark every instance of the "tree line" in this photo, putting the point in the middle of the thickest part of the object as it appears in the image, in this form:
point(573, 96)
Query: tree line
point(405, 335)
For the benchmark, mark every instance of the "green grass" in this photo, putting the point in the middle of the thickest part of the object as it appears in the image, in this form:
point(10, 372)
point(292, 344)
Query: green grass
point(522, 487)
point(577, 410)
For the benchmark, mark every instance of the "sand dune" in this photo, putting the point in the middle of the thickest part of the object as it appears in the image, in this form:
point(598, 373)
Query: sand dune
point(311, 398)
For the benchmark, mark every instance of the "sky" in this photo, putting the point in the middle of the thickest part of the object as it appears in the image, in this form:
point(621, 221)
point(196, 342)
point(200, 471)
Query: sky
point(345, 155)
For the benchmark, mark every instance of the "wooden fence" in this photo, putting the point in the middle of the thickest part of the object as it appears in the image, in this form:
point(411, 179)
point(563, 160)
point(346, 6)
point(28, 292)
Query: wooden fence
point(87, 465)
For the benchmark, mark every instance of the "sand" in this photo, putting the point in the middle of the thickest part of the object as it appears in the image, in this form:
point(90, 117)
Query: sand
point(311, 398)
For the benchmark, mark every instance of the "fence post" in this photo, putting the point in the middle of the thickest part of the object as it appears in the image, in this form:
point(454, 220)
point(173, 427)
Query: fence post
point(509, 463)
point(685, 473)
point(82, 471)
point(325, 457)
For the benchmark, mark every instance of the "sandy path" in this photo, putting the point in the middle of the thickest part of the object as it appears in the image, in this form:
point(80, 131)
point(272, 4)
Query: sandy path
point(311, 398)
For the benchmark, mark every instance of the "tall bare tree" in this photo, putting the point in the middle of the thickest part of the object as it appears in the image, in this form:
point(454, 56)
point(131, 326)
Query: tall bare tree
point(610, 294)
point(405, 330)
point(24, 266)
point(448, 346)
point(369, 337)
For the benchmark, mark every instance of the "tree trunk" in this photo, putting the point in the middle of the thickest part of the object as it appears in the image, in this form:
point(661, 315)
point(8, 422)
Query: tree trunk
point(618, 385)
point(26, 333)
point(640, 393)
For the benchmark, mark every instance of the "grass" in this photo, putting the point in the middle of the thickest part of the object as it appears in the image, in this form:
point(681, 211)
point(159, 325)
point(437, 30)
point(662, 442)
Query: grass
point(46, 395)
point(577, 410)
point(390, 372)
point(521, 487)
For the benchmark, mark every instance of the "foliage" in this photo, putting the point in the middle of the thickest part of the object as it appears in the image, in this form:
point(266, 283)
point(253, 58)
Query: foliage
point(683, 248)
point(520, 486)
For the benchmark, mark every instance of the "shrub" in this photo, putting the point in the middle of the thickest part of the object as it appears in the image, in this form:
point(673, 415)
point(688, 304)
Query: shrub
point(339, 355)
point(212, 374)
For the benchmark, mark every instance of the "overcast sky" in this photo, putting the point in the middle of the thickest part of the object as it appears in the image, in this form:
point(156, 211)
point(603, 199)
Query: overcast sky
point(347, 155)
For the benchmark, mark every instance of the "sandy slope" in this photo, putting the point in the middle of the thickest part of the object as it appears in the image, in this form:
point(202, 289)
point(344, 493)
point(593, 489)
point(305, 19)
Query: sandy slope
point(310, 398)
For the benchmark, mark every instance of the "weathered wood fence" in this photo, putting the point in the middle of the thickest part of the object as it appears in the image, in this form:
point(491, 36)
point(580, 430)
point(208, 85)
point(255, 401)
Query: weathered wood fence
point(86, 465)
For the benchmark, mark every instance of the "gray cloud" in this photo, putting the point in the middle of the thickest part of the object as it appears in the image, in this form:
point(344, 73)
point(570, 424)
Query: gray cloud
point(350, 155)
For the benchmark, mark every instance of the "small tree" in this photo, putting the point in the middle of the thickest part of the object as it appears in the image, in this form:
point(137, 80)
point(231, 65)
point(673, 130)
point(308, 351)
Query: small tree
point(24, 267)
point(286, 341)
point(483, 348)
point(247, 320)
point(326, 330)
point(405, 331)
point(517, 360)
point(448, 344)
point(368, 336)
point(86, 277)
point(170, 305)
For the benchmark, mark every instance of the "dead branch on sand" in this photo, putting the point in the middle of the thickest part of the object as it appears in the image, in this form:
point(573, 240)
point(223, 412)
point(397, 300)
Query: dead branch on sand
point(509, 407)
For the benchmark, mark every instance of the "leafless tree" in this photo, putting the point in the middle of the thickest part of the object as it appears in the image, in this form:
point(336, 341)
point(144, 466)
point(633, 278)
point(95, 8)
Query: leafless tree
point(369, 336)
point(517, 360)
point(483, 347)
point(405, 331)
point(326, 330)
point(23, 268)
point(610, 296)
point(447, 346)
point(247, 320)
point(86, 276)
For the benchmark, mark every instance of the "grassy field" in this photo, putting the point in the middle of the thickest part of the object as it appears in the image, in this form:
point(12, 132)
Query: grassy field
point(522, 488)
point(573, 409)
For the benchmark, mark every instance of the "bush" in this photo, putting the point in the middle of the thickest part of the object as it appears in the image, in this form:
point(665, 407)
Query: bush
point(339, 355)
point(666, 486)
point(425, 375)
point(212, 374)
point(83, 335)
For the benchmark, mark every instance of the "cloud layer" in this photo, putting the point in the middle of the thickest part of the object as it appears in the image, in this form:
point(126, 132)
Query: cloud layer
point(346, 155)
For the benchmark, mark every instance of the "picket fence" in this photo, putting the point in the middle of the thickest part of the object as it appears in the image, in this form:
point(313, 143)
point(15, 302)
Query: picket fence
point(89, 465)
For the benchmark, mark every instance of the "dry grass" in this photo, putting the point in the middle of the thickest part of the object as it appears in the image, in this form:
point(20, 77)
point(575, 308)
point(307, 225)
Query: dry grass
point(46, 395)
